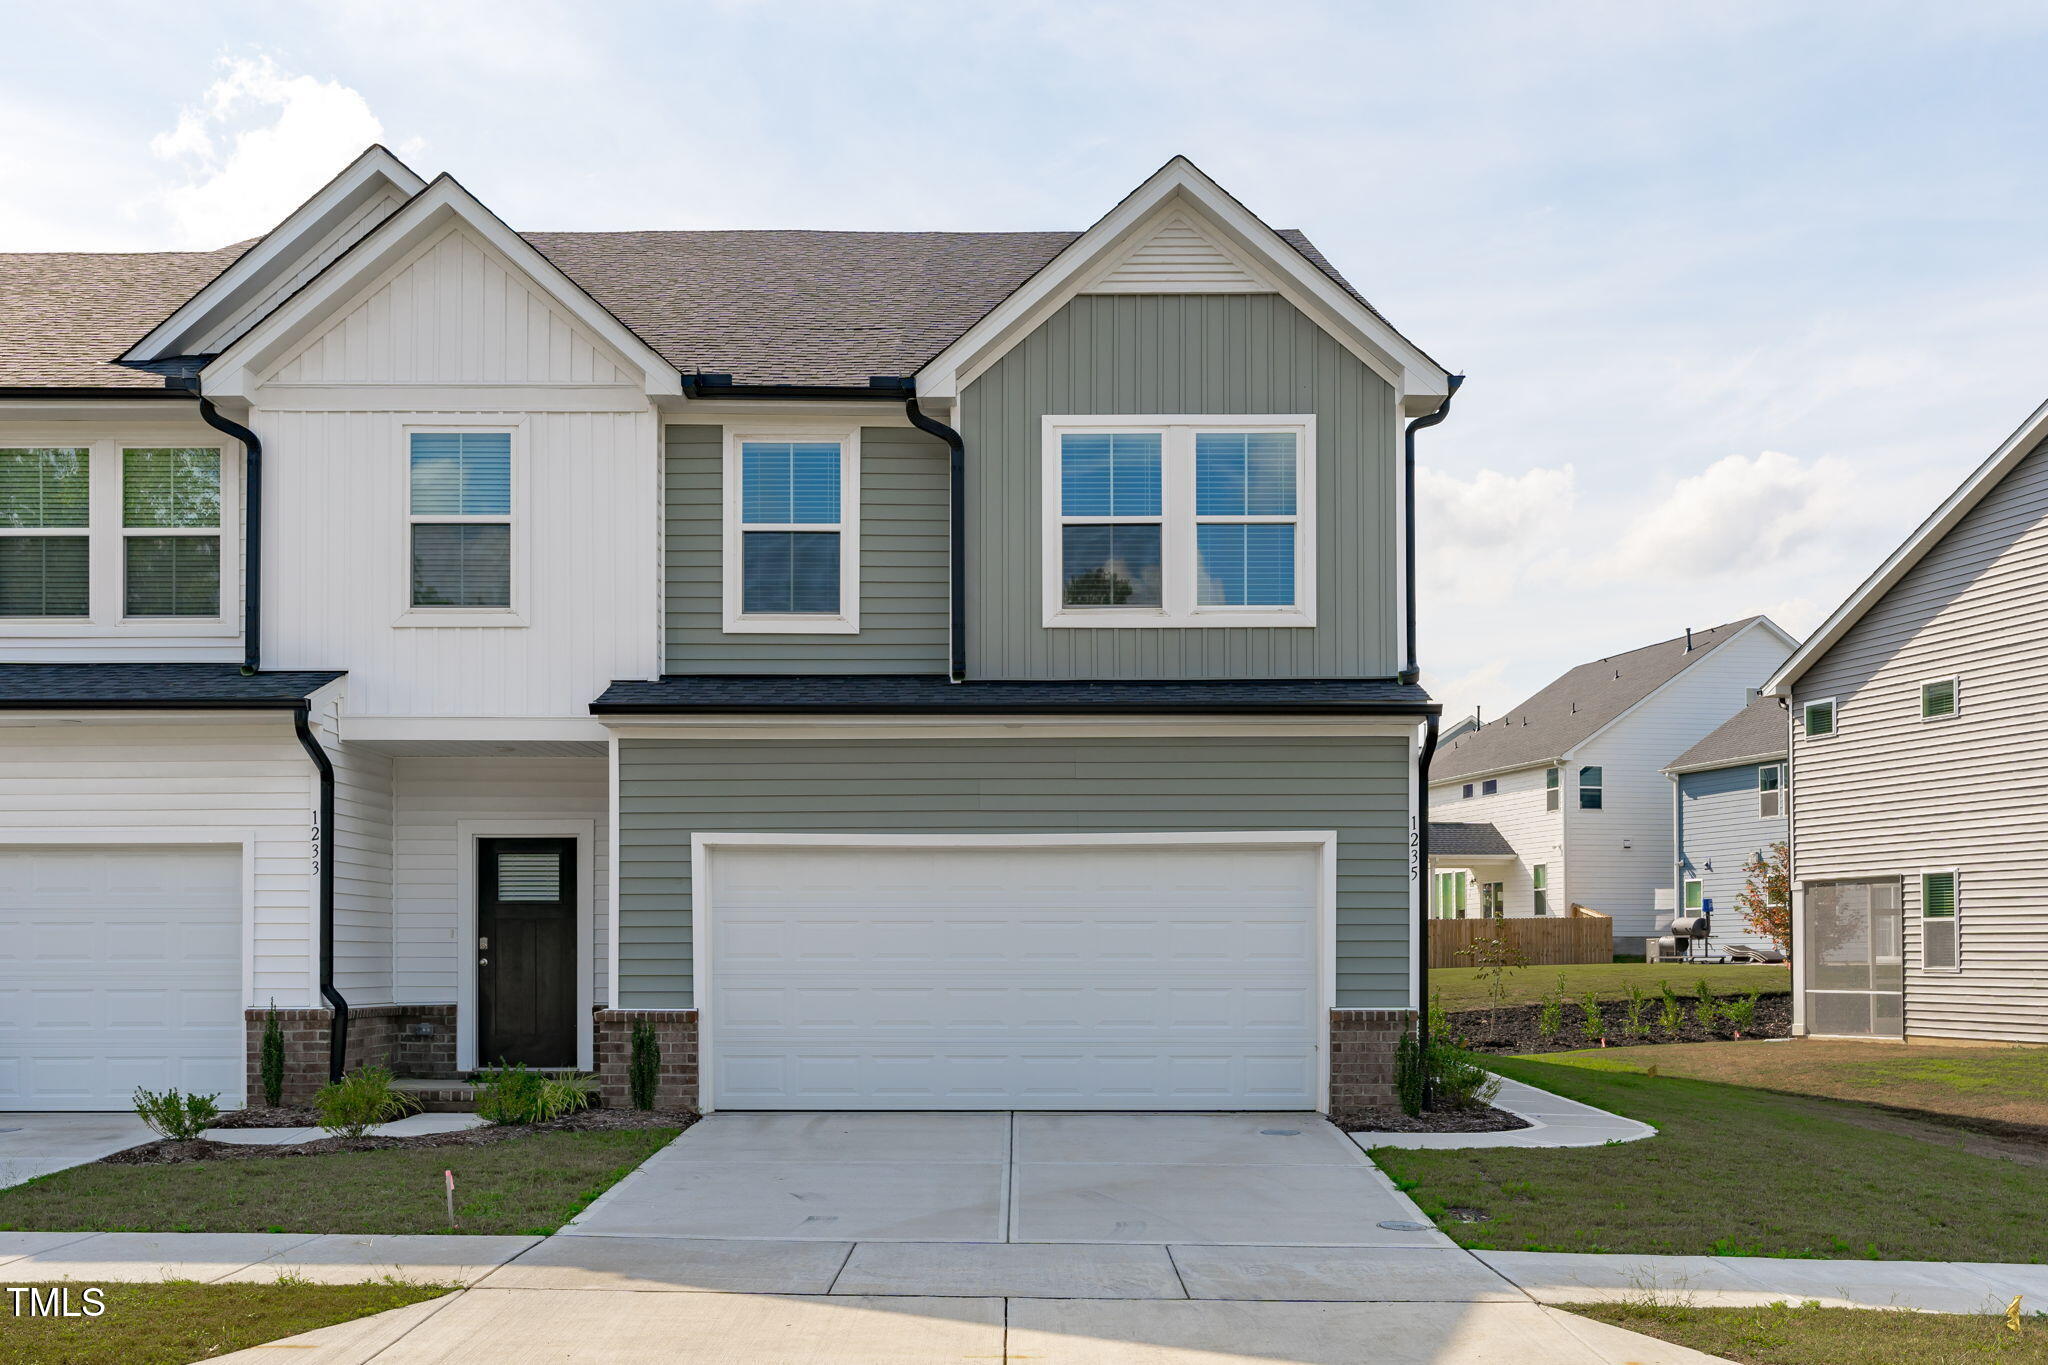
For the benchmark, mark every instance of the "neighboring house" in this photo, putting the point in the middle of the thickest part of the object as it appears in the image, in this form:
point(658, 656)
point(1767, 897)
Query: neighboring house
point(1918, 849)
point(1572, 779)
point(908, 670)
point(1728, 805)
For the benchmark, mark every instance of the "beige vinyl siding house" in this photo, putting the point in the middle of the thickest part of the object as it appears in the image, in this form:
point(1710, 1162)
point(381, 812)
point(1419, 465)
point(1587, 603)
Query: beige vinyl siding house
point(1935, 677)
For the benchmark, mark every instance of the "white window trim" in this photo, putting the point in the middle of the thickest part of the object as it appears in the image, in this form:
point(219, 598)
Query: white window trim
point(1179, 567)
point(846, 621)
point(106, 537)
point(1834, 714)
point(519, 519)
point(1955, 684)
point(1683, 886)
point(1580, 787)
point(1956, 919)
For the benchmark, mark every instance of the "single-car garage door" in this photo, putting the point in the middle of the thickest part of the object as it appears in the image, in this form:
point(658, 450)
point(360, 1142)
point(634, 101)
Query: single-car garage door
point(119, 967)
point(1178, 976)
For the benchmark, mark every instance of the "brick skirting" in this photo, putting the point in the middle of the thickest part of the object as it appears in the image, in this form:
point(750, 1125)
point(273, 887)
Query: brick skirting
point(377, 1036)
point(612, 1038)
point(1362, 1046)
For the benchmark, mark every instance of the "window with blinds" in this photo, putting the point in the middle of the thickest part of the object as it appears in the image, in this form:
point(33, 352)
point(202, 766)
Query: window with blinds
point(45, 532)
point(791, 514)
point(1940, 923)
point(170, 532)
point(1244, 518)
point(530, 876)
point(1111, 536)
point(461, 513)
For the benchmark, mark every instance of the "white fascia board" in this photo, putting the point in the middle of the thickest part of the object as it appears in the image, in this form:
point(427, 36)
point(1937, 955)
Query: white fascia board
point(1958, 505)
point(373, 173)
point(235, 372)
point(1673, 770)
point(1463, 778)
point(1421, 382)
point(466, 729)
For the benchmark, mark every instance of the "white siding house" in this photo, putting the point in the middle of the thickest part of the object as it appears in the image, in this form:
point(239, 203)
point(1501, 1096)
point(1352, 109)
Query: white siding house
point(1599, 737)
point(1915, 741)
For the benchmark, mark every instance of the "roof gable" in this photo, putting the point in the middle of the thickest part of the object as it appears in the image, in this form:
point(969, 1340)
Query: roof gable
point(1178, 196)
point(336, 216)
point(1581, 703)
point(1756, 733)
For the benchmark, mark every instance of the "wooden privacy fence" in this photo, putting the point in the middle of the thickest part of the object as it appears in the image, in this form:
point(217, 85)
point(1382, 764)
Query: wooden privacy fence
point(1584, 936)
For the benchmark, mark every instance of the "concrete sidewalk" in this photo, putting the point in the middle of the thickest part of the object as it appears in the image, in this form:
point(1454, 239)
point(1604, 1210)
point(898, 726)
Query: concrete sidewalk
point(1554, 1121)
point(249, 1257)
point(1746, 1281)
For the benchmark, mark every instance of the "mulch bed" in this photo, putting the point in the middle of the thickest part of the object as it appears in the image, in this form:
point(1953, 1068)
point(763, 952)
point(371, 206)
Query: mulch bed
point(168, 1153)
point(1478, 1119)
point(1514, 1028)
point(256, 1116)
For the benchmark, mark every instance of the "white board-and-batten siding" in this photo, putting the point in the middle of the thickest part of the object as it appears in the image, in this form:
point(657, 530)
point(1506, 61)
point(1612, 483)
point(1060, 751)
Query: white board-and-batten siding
point(1518, 811)
point(1893, 795)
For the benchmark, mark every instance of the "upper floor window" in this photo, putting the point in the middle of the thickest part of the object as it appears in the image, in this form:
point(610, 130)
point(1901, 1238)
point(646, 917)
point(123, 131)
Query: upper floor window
point(1489, 786)
point(460, 511)
point(1939, 699)
point(791, 534)
point(1181, 521)
point(1820, 718)
point(1550, 788)
point(1467, 794)
point(112, 535)
point(1770, 787)
point(1591, 785)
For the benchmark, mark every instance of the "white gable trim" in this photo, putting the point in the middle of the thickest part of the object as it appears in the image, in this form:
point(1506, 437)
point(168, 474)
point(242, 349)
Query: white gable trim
point(1180, 188)
point(1959, 504)
point(237, 371)
point(374, 175)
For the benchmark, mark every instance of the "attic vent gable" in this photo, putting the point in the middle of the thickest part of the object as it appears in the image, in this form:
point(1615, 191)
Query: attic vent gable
point(1177, 257)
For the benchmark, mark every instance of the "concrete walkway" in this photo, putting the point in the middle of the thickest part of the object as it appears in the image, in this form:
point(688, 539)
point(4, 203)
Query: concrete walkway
point(1554, 1121)
point(412, 1125)
point(1746, 1281)
point(39, 1144)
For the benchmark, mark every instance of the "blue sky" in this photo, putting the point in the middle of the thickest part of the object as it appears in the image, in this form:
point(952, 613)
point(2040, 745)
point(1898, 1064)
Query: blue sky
point(1742, 289)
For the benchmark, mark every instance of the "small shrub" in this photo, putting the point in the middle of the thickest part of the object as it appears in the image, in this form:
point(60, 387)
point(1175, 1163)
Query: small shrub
point(272, 1063)
point(174, 1114)
point(1408, 1073)
point(1708, 1010)
point(1741, 1014)
point(1550, 1019)
point(1445, 1069)
point(1671, 1016)
point(359, 1101)
point(518, 1094)
point(1592, 1023)
point(643, 1071)
point(1460, 1082)
point(1632, 1022)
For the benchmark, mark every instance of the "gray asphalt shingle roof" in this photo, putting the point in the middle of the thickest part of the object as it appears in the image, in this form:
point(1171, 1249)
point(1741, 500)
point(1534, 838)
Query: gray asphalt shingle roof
point(933, 692)
point(65, 315)
point(1757, 731)
point(207, 686)
point(1461, 839)
point(1572, 708)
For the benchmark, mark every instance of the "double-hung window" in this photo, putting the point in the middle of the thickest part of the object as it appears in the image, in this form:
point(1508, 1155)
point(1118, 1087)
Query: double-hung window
point(1592, 788)
point(1179, 521)
point(1770, 789)
point(1539, 886)
point(109, 535)
point(1550, 788)
point(792, 552)
point(461, 513)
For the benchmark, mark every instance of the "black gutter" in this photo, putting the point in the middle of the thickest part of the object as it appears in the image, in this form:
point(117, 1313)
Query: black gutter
point(956, 548)
point(1414, 669)
point(337, 1034)
point(252, 527)
point(92, 391)
point(150, 704)
point(998, 709)
point(1424, 881)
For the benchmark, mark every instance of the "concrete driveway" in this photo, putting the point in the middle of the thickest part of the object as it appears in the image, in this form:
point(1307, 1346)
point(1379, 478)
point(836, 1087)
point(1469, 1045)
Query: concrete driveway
point(37, 1144)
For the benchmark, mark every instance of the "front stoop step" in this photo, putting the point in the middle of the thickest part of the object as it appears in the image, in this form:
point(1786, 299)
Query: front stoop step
point(446, 1095)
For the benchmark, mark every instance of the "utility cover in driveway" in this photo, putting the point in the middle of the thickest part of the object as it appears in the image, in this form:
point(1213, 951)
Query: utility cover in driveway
point(1063, 977)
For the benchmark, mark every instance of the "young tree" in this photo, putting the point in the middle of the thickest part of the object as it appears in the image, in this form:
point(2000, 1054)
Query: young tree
point(1495, 957)
point(1766, 899)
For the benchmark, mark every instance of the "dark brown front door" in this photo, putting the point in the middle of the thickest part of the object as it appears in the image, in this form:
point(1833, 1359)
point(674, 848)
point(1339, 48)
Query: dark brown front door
point(526, 951)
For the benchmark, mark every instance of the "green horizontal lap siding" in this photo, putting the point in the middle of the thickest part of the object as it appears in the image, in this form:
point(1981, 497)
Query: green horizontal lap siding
point(903, 564)
point(671, 789)
point(1189, 354)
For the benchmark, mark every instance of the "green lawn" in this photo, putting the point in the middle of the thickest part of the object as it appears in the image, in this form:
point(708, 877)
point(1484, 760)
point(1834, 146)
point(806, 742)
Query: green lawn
point(1833, 1336)
point(521, 1185)
point(1732, 1171)
point(170, 1324)
point(1464, 988)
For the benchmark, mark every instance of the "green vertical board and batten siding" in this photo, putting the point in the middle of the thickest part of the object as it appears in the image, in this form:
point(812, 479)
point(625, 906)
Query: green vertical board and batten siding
point(672, 789)
point(903, 564)
point(1193, 354)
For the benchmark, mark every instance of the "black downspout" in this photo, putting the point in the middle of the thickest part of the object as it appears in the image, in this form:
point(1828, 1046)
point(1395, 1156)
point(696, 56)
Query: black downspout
point(1413, 672)
point(1423, 758)
point(252, 529)
point(337, 1035)
point(956, 550)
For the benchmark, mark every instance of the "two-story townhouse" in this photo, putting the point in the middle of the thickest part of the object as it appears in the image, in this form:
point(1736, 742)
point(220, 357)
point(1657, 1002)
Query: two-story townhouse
point(1572, 780)
point(1728, 808)
point(1917, 850)
point(917, 670)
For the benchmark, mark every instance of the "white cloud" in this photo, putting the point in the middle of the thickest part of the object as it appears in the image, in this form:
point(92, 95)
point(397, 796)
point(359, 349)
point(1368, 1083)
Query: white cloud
point(1477, 533)
point(255, 145)
point(1740, 512)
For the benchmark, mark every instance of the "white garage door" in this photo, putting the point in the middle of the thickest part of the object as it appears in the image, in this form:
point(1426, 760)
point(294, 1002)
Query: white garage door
point(119, 967)
point(1165, 977)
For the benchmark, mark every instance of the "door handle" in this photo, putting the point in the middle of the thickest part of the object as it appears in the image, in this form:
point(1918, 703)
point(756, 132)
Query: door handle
point(483, 962)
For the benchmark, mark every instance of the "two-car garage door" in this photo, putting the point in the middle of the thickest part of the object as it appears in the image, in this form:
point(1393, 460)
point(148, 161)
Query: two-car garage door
point(1065, 976)
point(119, 967)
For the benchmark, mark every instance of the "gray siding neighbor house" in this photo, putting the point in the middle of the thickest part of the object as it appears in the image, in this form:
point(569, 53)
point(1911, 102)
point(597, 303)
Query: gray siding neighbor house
point(1918, 845)
point(1728, 806)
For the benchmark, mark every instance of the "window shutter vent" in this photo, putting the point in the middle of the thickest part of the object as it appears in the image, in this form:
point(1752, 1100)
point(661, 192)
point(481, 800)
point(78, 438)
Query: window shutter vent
point(1938, 698)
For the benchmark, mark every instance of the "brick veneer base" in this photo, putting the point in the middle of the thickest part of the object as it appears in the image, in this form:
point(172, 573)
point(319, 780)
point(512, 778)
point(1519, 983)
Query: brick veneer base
point(1362, 1046)
point(377, 1036)
point(675, 1030)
